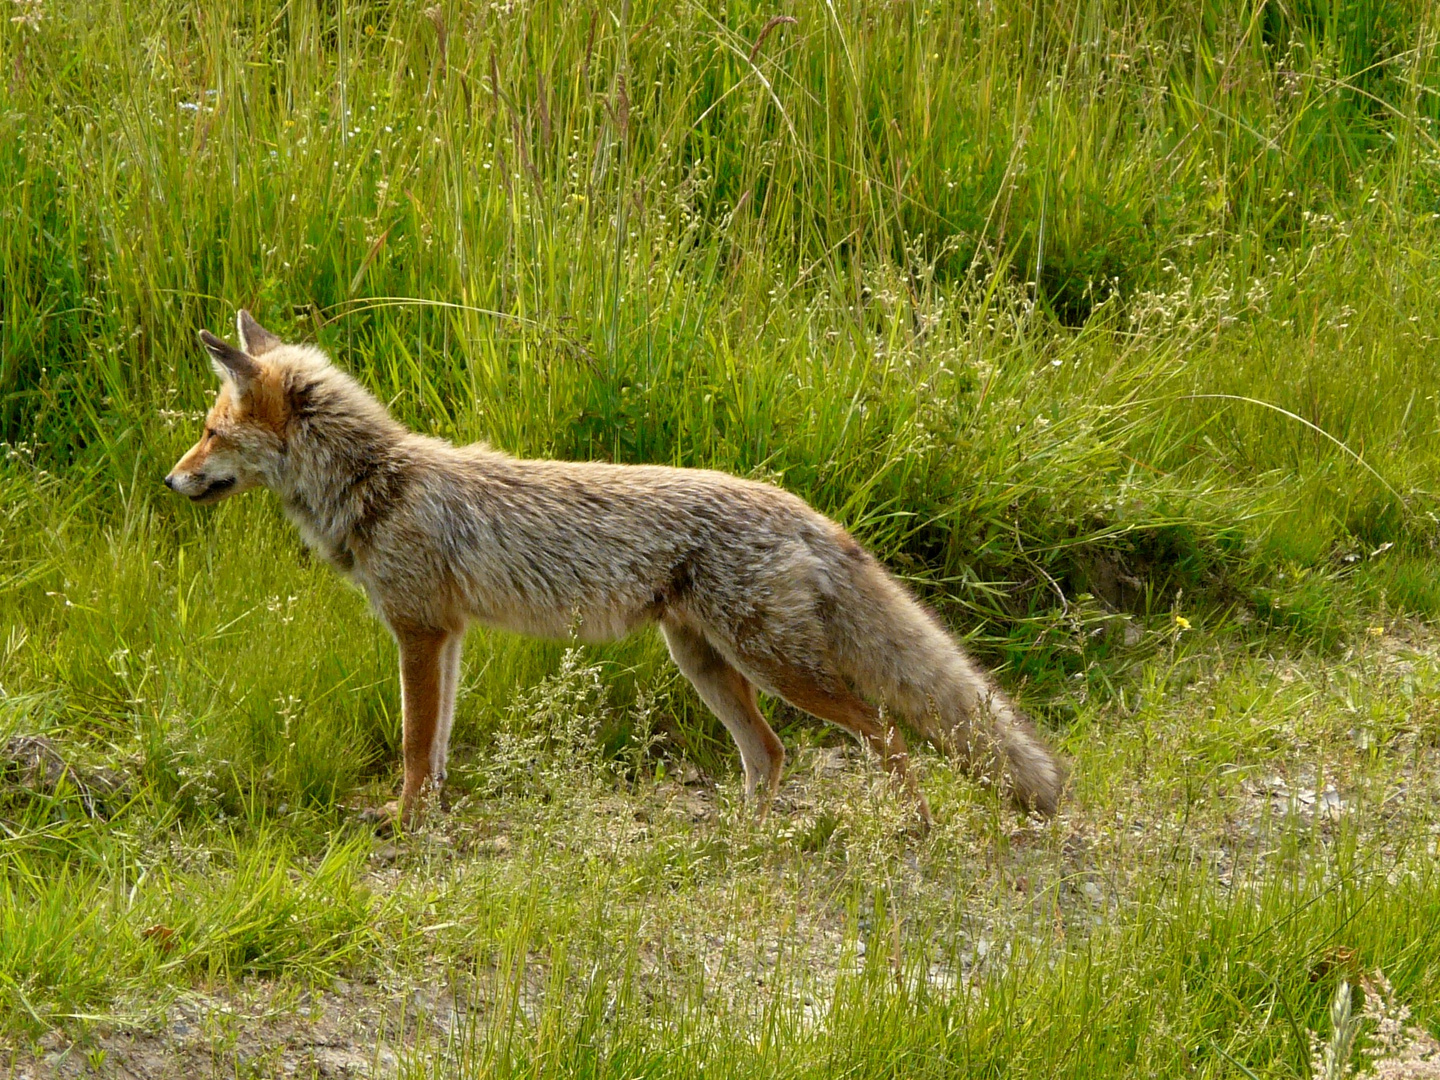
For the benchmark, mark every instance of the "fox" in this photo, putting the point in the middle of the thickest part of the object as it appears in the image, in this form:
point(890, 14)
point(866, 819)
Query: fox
point(751, 588)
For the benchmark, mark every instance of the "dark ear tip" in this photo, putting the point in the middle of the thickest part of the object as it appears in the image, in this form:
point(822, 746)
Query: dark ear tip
point(207, 338)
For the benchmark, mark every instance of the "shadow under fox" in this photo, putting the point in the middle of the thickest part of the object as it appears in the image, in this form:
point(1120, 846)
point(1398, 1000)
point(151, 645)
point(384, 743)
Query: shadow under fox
point(751, 588)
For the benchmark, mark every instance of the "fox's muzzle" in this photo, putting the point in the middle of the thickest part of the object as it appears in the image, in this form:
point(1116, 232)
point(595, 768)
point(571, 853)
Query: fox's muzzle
point(207, 492)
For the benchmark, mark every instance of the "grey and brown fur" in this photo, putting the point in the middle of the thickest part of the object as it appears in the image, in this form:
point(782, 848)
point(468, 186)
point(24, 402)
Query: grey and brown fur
point(751, 588)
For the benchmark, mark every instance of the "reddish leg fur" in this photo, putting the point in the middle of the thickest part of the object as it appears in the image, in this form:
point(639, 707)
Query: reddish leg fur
point(420, 699)
point(831, 700)
point(859, 717)
point(731, 697)
point(730, 692)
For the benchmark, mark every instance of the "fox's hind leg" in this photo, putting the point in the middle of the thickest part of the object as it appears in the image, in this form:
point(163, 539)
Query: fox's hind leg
point(731, 696)
point(830, 699)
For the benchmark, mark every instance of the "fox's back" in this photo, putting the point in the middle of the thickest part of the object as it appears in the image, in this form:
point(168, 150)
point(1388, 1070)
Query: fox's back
point(557, 547)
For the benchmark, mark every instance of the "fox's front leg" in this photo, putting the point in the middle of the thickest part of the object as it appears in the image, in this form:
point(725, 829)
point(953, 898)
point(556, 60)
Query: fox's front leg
point(449, 685)
point(422, 652)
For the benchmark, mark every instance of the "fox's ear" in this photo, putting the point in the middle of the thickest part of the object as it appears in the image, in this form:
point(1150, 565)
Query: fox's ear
point(254, 338)
point(228, 361)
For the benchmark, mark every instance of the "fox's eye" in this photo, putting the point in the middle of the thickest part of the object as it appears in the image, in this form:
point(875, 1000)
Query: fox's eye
point(209, 432)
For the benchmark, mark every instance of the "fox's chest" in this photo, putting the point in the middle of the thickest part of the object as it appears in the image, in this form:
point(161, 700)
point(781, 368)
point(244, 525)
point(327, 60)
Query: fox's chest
point(337, 552)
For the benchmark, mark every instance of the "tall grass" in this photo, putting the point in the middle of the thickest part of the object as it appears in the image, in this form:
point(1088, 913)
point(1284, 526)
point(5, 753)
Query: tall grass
point(959, 274)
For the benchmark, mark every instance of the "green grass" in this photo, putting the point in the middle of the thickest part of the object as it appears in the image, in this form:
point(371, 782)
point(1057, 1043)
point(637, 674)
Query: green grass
point(1110, 326)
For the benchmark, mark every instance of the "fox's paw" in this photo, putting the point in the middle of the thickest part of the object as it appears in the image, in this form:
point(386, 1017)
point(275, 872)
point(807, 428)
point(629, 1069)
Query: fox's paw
point(386, 820)
point(921, 820)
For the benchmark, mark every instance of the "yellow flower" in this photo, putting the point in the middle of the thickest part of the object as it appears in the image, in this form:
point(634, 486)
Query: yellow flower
point(1182, 622)
point(1375, 631)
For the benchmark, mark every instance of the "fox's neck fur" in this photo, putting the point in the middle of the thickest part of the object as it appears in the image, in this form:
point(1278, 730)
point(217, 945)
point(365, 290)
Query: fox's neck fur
point(346, 461)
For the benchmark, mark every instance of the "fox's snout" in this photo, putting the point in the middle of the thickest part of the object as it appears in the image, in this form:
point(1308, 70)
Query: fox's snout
point(188, 475)
point(200, 487)
point(184, 481)
point(201, 477)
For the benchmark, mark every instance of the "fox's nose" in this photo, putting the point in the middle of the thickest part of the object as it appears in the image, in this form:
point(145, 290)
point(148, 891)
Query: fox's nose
point(170, 482)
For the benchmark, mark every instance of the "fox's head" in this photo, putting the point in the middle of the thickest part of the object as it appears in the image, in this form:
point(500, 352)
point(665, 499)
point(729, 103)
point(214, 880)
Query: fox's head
point(244, 441)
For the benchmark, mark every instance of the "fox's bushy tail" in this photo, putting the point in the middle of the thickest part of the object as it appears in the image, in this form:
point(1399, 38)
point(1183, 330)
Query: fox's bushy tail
point(898, 653)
